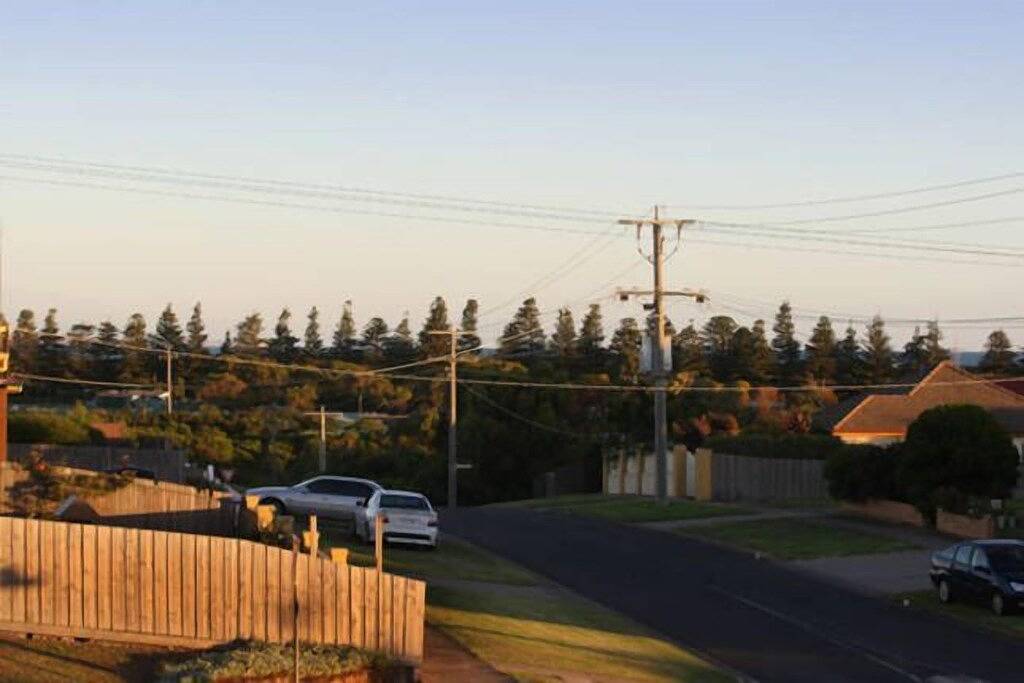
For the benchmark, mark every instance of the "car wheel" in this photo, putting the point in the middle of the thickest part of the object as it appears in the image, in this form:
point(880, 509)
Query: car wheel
point(945, 592)
point(279, 508)
point(999, 607)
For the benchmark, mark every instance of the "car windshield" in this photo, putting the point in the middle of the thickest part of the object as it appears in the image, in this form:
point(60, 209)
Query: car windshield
point(403, 502)
point(1008, 558)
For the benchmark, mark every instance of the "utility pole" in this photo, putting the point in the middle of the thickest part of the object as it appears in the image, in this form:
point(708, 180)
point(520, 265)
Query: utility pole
point(323, 440)
point(170, 384)
point(453, 467)
point(659, 371)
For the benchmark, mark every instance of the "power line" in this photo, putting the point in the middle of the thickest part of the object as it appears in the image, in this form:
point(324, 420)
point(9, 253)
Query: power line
point(86, 382)
point(533, 423)
point(853, 198)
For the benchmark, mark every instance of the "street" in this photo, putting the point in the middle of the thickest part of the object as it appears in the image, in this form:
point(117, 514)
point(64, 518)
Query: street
point(765, 621)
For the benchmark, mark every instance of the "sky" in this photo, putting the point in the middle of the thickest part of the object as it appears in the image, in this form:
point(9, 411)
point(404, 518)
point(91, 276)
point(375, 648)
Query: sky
point(607, 107)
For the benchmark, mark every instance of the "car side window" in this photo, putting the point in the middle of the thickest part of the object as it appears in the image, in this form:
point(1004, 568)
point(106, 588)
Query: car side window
point(963, 555)
point(980, 560)
point(319, 486)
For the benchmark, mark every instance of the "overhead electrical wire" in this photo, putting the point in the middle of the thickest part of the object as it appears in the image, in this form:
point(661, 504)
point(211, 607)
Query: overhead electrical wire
point(86, 382)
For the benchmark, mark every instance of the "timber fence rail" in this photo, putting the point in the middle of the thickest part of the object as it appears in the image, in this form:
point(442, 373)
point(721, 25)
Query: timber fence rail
point(168, 588)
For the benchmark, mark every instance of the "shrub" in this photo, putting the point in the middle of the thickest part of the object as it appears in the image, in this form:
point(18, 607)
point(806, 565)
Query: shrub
point(783, 446)
point(48, 428)
point(953, 453)
point(245, 659)
point(859, 473)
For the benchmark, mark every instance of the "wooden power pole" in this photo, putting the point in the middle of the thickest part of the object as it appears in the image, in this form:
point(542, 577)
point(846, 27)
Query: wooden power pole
point(659, 371)
point(453, 467)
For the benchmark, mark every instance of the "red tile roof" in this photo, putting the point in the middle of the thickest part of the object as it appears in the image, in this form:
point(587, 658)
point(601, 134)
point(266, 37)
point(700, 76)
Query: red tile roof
point(946, 384)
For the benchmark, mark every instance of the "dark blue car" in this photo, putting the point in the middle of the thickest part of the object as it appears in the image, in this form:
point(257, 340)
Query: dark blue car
point(986, 572)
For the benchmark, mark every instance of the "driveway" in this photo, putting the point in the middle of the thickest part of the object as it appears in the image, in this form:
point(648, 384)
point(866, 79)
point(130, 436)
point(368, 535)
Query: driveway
point(765, 620)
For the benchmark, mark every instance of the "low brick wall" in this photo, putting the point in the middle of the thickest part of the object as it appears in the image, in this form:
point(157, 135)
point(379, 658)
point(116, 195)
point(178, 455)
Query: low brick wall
point(886, 511)
point(965, 527)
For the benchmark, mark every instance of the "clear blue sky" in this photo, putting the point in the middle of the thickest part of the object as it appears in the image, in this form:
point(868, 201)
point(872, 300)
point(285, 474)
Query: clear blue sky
point(605, 105)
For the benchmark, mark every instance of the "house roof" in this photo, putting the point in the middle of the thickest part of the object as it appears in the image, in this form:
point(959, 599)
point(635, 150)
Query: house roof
point(111, 431)
point(946, 384)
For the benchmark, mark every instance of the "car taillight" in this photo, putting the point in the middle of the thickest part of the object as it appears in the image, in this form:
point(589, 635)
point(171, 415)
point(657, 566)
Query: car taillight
point(384, 519)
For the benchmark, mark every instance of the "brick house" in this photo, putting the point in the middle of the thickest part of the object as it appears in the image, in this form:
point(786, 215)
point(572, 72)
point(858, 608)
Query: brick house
point(883, 418)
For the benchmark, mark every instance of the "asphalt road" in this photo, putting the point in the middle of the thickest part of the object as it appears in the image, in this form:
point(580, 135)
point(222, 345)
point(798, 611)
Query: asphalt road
point(767, 622)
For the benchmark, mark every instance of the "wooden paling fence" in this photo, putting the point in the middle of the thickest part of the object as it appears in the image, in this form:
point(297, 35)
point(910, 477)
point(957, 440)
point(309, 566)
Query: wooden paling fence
point(168, 588)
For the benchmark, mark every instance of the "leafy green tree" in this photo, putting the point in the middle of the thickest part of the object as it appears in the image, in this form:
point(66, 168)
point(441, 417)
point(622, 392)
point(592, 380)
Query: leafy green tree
point(591, 331)
point(914, 359)
point(51, 346)
point(25, 342)
point(785, 345)
point(312, 342)
point(168, 331)
point(934, 350)
point(107, 355)
point(849, 364)
point(625, 345)
point(877, 354)
point(469, 339)
point(524, 334)
point(284, 346)
point(563, 340)
point(999, 354)
point(688, 353)
point(227, 347)
point(345, 332)
point(400, 343)
point(717, 335)
point(437, 321)
point(249, 335)
point(763, 362)
point(953, 453)
point(196, 329)
point(375, 333)
point(821, 351)
point(135, 367)
point(79, 351)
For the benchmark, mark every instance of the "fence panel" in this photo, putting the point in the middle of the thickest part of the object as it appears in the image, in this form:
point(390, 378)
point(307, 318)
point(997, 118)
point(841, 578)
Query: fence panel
point(170, 588)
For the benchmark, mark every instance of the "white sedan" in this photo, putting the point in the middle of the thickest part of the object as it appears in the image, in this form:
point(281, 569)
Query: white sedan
point(408, 518)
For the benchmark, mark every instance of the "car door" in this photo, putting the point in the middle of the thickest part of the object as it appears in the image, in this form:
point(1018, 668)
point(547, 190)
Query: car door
point(310, 497)
point(980, 575)
point(960, 571)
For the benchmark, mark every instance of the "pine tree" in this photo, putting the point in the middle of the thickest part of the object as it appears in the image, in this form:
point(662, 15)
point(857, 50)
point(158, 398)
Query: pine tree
point(196, 342)
point(626, 344)
point(345, 332)
point(284, 346)
point(227, 347)
point(563, 340)
point(25, 342)
point(764, 359)
point(742, 355)
point(437, 321)
point(249, 335)
point(878, 356)
point(312, 342)
point(821, 351)
point(935, 353)
point(591, 331)
point(400, 343)
point(688, 353)
point(469, 339)
point(168, 331)
point(134, 367)
point(849, 365)
point(914, 358)
point(716, 335)
point(524, 334)
point(785, 345)
point(79, 353)
point(999, 355)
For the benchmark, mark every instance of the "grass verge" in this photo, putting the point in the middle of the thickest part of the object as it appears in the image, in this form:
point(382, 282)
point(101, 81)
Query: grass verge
point(797, 539)
point(976, 615)
point(39, 660)
point(630, 508)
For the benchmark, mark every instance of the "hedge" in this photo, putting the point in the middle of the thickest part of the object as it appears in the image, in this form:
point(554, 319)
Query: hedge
point(785, 446)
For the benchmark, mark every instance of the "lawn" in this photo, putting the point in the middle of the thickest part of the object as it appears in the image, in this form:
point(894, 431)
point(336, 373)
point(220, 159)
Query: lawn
point(797, 539)
point(976, 615)
point(630, 508)
point(35, 660)
point(548, 637)
point(453, 559)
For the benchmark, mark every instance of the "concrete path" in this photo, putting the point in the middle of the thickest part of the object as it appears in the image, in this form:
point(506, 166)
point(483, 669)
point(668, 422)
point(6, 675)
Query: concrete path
point(446, 661)
point(761, 515)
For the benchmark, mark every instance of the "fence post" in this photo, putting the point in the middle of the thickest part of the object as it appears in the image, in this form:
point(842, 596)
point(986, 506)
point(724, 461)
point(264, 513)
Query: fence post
point(311, 538)
point(295, 595)
point(622, 471)
point(339, 556)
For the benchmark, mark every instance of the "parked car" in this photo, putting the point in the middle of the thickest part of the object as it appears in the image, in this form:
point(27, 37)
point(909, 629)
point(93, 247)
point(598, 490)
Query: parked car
point(988, 572)
point(408, 518)
point(328, 497)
